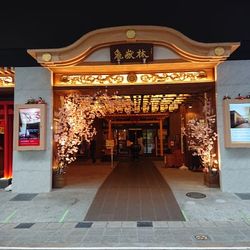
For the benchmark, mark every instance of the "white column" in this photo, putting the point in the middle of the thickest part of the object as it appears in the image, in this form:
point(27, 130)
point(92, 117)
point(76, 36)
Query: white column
point(32, 170)
point(232, 79)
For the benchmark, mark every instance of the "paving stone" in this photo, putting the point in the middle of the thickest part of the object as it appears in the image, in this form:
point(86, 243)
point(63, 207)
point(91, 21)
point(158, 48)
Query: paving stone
point(191, 224)
point(129, 224)
point(39, 226)
point(68, 225)
point(112, 232)
point(110, 239)
point(128, 239)
point(92, 238)
point(222, 224)
point(99, 224)
point(114, 224)
point(8, 226)
point(96, 230)
point(54, 225)
point(160, 224)
point(175, 224)
point(207, 224)
point(239, 224)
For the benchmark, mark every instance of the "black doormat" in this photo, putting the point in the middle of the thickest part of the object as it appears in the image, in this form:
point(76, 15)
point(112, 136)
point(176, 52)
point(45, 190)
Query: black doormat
point(134, 191)
point(83, 225)
point(24, 225)
point(24, 197)
point(243, 196)
point(144, 224)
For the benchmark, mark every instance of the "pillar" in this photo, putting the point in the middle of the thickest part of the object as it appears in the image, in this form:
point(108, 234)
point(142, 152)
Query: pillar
point(161, 137)
point(32, 170)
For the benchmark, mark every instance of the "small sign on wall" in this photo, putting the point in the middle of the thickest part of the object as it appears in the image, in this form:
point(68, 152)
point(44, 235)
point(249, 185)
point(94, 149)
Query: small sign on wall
point(29, 127)
point(110, 144)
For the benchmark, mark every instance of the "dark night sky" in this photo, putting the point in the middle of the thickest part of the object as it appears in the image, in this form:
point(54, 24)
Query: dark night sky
point(46, 26)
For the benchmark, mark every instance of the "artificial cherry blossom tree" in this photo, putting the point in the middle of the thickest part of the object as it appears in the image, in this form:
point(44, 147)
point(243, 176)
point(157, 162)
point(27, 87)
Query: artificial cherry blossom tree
point(75, 122)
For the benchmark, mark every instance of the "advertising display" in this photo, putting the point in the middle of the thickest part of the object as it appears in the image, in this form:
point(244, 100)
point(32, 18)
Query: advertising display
point(237, 123)
point(29, 127)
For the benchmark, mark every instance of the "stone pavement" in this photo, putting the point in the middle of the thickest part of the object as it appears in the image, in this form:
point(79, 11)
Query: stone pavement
point(56, 219)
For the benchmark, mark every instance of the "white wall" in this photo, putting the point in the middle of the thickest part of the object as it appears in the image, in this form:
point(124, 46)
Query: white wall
point(32, 170)
point(233, 77)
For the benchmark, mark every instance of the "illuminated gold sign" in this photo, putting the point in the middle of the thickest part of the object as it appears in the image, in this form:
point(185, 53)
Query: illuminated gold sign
point(132, 52)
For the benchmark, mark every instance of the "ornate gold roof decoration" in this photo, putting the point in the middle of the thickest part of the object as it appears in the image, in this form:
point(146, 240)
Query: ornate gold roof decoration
point(7, 77)
point(188, 49)
point(132, 78)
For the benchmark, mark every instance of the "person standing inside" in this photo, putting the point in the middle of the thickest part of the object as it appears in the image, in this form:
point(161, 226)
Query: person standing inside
point(92, 149)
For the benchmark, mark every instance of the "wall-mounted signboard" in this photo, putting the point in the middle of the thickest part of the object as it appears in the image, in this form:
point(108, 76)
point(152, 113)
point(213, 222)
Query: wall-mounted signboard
point(29, 128)
point(237, 123)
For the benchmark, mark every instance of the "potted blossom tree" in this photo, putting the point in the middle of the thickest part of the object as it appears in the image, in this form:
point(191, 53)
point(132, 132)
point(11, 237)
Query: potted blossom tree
point(201, 139)
point(74, 123)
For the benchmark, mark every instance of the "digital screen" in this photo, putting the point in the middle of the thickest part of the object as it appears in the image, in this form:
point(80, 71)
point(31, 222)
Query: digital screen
point(29, 127)
point(240, 122)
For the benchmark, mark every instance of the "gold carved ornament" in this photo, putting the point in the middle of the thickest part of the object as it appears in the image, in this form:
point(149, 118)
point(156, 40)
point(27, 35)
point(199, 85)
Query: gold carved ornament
point(132, 78)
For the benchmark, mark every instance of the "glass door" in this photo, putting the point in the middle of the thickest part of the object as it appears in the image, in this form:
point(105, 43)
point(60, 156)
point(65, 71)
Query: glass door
point(149, 140)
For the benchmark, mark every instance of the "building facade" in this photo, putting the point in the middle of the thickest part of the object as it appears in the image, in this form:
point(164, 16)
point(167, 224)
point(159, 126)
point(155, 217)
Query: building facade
point(136, 61)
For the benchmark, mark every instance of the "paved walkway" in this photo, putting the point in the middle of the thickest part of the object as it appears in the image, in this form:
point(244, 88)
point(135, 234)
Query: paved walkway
point(56, 219)
point(134, 191)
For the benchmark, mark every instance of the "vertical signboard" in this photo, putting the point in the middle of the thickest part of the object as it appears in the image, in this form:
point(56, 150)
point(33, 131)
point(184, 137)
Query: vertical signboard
point(30, 127)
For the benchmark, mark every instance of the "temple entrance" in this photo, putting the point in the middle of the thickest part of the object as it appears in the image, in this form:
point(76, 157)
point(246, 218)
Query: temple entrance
point(167, 79)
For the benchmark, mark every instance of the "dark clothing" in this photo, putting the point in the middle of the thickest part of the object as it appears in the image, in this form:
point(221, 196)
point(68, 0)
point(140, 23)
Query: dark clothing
point(135, 149)
point(92, 149)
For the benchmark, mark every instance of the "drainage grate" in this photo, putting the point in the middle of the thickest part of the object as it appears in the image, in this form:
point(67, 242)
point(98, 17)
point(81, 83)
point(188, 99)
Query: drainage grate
point(201, 237)
point(244, 196)
point(195, 195)
point(24, 225)
point(144, 224)
point(24, 197)
point(83, 225)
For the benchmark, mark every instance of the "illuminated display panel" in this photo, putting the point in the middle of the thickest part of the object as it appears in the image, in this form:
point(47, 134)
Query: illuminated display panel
point(30, 127)
point(237, 123)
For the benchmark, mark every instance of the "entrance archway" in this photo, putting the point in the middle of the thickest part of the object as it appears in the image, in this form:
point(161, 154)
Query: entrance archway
point(153, 58)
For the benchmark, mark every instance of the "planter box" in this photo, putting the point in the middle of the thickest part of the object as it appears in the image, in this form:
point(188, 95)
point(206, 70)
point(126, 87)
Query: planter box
point(212, 180)
point(58, 181)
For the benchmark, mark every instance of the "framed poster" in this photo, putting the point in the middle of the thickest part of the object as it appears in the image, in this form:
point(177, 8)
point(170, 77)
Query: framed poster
point(29, 127)
point(237, 123)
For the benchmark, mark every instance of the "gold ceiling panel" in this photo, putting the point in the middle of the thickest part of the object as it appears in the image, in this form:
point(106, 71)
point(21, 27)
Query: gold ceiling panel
point(7, 77)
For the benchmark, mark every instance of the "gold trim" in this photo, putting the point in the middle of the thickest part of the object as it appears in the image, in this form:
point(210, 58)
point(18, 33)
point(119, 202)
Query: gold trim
point(132, 78)
point(46, 57)
point(130, 34)
point(219, 51)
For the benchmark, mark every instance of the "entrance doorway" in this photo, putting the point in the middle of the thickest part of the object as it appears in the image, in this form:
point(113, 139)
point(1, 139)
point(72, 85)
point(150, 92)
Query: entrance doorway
point(159, 130)
point(6, 139)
